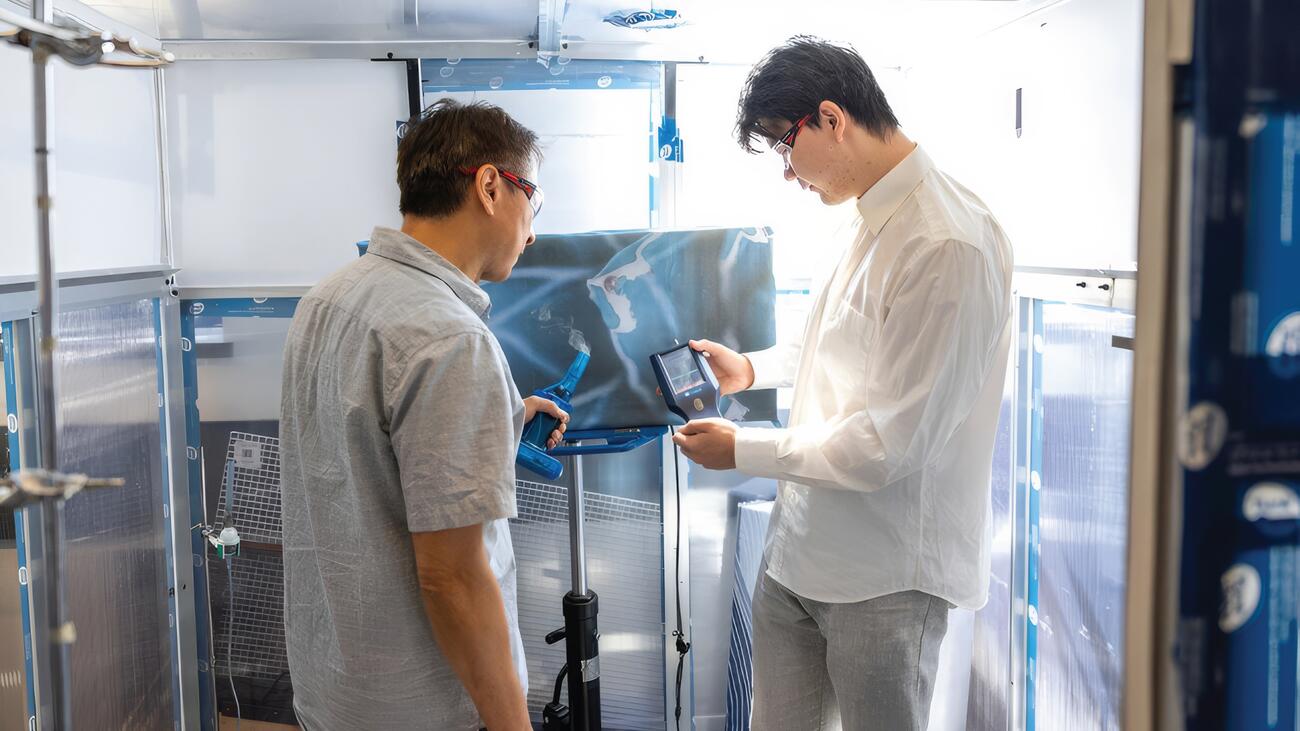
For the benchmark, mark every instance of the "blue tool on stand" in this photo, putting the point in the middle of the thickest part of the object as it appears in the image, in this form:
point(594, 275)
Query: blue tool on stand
point(532, 448)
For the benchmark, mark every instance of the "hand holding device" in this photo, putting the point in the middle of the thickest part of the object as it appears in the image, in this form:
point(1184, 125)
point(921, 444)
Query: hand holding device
point(733, 370)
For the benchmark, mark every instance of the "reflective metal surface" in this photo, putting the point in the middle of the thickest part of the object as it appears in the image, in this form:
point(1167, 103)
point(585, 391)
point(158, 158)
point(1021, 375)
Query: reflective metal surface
point(721, 29)
point(114, 539)
point(371, 20)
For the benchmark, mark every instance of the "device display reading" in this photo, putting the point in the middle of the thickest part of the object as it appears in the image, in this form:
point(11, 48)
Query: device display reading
point(679, 365)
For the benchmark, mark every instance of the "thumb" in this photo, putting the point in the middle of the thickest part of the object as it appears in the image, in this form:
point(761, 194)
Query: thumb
point(690, 429)
point(702, 346)
point(547, 406)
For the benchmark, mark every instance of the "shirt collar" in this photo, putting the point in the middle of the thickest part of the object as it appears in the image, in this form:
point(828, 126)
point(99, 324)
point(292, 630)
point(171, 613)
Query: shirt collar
point(396, 246)
point(883, 199)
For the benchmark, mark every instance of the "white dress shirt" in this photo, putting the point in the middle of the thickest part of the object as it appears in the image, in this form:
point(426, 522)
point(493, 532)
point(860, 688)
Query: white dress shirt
point(884, 468)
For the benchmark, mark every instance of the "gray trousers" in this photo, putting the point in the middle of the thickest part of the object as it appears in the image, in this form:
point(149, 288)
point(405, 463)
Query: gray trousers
point(861, 667)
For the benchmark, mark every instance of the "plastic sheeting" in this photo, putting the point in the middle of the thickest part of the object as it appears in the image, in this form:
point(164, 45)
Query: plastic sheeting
point(1086, 384)
point(751, 529)
point(115, 554)
point(990, 673)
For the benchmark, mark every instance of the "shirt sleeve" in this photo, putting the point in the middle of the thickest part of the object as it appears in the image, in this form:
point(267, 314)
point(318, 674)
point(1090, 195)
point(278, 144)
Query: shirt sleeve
point(776, 366)
point(452, 428)
point(924, 372)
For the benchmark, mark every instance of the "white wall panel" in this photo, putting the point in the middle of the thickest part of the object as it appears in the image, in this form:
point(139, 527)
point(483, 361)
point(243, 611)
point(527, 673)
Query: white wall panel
point(1065, 188)
point(106, 189)
point(278, 167)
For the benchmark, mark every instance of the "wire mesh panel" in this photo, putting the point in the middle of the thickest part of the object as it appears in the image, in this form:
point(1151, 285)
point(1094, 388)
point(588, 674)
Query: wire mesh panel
point(250, 636)
point(250, 644)
point(253, 461)
point(624, 568)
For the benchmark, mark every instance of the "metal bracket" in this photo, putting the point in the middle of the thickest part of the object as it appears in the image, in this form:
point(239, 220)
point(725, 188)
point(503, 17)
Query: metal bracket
point(606, 441)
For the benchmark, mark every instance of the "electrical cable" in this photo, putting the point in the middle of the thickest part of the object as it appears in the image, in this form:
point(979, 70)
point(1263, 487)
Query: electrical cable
point(230, 643)
point(682, 645)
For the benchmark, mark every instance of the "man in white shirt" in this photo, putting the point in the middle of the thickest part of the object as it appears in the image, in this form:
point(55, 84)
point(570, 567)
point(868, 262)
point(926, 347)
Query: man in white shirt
point(880, 520)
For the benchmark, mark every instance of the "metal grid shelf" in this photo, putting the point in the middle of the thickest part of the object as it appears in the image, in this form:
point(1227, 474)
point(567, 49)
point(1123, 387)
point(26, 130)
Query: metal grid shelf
point(256, 473)
point(257, 625)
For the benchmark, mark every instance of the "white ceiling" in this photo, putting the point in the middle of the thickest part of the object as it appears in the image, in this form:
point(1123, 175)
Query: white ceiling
point(885, 31)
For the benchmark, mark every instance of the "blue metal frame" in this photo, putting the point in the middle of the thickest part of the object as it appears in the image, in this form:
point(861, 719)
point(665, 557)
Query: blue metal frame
point(239, 307)
point(15, 458)
point(1034, 381)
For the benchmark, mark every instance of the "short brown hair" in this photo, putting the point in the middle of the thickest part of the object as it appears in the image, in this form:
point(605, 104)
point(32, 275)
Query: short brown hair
point(448, 137)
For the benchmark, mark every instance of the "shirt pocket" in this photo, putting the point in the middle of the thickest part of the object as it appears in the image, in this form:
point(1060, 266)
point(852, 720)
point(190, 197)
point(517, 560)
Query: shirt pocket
point(846, 342)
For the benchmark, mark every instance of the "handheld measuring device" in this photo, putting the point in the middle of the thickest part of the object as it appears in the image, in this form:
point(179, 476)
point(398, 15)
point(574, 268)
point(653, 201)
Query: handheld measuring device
point(687, 382)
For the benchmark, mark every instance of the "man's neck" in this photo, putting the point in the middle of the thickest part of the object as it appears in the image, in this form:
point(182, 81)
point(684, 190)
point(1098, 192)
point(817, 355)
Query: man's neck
point(451, 238)
point(879, 156)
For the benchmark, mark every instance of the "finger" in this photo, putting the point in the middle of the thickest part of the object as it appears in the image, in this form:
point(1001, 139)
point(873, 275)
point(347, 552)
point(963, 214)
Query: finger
point(679, 439)
point(659, 391)
point(552, 408)
point(557, 436)
point(692, 427)
point(703, 346)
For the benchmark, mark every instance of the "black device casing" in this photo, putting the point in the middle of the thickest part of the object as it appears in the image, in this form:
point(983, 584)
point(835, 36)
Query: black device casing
point(700, 402)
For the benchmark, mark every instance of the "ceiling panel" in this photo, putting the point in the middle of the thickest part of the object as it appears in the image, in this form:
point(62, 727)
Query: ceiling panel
point(889, 32)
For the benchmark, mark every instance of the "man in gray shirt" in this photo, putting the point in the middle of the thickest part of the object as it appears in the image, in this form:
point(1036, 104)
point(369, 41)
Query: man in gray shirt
point(399, 424)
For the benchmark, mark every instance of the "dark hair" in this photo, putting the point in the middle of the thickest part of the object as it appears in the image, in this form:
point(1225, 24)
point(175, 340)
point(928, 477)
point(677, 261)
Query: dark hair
point(797, 76)
point(449, 136)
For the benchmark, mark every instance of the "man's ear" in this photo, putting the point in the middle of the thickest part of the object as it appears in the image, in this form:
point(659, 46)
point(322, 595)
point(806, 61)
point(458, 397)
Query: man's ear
point(487, 186)
point(833, 116)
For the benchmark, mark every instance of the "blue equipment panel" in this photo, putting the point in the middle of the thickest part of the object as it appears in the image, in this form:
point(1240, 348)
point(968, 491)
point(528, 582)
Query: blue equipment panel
point(1239, 445)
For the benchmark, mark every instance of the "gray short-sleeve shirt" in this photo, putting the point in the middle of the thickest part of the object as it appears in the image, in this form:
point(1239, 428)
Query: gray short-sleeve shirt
point(398, 415)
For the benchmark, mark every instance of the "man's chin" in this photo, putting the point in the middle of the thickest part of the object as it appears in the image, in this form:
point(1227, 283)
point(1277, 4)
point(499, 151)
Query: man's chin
point(501, 275)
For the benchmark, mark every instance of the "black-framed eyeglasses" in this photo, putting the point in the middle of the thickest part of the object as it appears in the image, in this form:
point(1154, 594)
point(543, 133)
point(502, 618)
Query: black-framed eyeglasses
point(529, 188)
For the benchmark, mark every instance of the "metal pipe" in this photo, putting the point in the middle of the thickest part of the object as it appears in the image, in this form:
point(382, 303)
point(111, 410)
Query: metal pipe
point(60, 635)
point(167, 251)
point(45, 286)
point(577, 536)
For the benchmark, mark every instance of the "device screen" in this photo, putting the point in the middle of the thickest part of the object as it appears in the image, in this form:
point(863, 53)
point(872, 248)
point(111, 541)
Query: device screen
point(679, 365)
